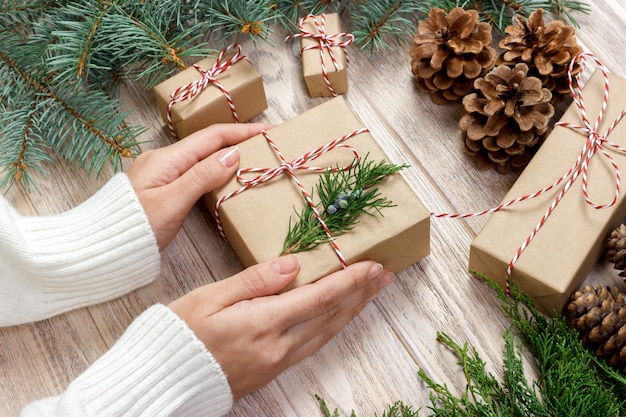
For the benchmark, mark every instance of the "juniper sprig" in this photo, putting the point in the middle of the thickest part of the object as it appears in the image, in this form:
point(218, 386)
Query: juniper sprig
point(344, 195)
point(571, 380)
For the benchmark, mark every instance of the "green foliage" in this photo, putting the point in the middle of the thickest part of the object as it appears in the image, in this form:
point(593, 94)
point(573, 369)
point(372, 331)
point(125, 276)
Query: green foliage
point(397, 409)
point(571, 381)
point(40, 116)
point(360, 181)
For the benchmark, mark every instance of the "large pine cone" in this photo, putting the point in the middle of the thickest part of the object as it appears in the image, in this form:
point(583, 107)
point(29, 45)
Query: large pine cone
point(616, 249)
point(599, 316)
point(449, 52)
point(547, 49)
point(507, 118)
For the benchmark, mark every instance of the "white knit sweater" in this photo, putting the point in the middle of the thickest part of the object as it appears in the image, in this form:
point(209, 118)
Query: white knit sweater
point(95, 252)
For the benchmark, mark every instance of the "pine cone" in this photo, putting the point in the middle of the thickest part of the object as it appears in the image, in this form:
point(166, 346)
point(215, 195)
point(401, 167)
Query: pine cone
point(599, 316)
point(507, 118)
point(547, 49)
point(616, 249)
point(449, 52)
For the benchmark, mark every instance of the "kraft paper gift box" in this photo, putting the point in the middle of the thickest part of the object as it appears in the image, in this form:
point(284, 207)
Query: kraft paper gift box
point(571, 241)
point(312, 61)
point(256, 221)
point(243, 82)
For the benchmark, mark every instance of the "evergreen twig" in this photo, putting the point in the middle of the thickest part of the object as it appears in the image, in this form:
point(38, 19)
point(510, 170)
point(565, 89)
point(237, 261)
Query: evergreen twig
point(357, 187)
point(571, 380)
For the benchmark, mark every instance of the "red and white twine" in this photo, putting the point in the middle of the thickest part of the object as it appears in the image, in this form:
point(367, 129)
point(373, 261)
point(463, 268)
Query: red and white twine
point(595, 142)
point(324, 41)
point(209, 76)
point(267, 174)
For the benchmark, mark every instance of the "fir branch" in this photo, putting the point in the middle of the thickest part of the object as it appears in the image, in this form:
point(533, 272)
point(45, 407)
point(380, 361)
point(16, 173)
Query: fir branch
point(81, 125)
point(253, 18)
point(500, 13)
point(24, 154)
point(344, 195)
point(105, 45)
point(561, 9)
point(291, 10)
point(374, 21)
point(18, 14)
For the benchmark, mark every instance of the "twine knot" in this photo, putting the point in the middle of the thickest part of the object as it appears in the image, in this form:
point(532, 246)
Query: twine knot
point(208, 77)
point(289, 167)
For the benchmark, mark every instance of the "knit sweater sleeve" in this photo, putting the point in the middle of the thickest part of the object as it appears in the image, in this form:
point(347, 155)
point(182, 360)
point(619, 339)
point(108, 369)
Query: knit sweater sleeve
point(95, 252)
point(158, 368)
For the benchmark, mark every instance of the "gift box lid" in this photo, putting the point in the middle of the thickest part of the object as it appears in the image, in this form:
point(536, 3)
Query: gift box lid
point(257, 220)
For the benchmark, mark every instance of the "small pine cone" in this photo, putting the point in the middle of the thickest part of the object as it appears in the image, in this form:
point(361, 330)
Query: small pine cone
point(547, 49)
point(507, 118)
point(599, 316)
point(616, 249)
point(449, 52)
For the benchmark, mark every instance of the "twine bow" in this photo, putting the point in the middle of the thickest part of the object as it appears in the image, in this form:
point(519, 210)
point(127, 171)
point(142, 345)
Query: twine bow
point(325, 41)
point(285, 167)
point(189, 91)
point(595, 142)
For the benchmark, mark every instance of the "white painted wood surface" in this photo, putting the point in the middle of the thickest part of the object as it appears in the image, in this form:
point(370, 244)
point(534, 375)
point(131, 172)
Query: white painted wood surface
point(375, 360)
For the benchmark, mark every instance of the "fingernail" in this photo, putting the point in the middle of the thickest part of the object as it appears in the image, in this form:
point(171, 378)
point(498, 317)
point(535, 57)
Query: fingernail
point(229, 157)
point(284, 265)
point(387, 279)
point(375, 271)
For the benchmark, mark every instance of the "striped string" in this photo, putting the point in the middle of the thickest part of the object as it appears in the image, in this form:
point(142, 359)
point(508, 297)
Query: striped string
point(267, 174)
point(595, 142)
point(189, 91)
point(325, 41)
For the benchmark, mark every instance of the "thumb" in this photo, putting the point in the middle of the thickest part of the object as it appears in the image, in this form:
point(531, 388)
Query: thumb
point(207, 175)
point(260, 280)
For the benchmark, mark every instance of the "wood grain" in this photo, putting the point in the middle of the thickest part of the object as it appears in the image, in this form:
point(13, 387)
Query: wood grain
point(375, 360)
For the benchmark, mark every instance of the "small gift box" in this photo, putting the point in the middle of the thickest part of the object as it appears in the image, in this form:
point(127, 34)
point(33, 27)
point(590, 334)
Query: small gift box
point(572, 236)
point(256, 219)
point(324, 58)
point(224, 89)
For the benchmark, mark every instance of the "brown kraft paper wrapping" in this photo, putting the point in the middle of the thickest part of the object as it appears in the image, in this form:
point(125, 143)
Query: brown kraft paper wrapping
point(257, 220)
point(561, 255)
point(241, 80)
point(312, 61)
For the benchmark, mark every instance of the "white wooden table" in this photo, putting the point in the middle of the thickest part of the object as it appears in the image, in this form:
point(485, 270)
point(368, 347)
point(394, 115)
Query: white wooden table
point(375, 360)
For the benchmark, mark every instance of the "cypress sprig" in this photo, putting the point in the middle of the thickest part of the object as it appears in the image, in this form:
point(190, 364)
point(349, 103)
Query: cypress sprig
point(344, 195)
point(571, 381)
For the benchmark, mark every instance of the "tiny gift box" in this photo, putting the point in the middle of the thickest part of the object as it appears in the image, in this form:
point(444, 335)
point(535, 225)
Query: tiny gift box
point(557, 260)
point(256, 221)
point(224, 89)
point(324, 59)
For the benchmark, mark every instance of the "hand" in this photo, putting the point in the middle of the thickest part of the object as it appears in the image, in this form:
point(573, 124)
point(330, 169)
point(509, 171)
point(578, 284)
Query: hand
point(169, 180)
point(255, 333)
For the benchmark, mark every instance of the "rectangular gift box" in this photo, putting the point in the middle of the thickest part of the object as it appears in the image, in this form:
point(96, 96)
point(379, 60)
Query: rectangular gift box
point(312, 61)
point(241, 80)
point(561, 255)
point(256, 221)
